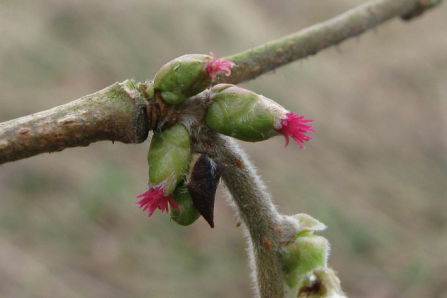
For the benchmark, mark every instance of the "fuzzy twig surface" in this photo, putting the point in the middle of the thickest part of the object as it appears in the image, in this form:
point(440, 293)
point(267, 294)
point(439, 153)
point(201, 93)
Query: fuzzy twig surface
point(265, 228)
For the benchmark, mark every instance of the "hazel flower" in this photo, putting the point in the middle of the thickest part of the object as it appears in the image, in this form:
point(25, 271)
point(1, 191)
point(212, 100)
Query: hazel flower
point(218, 65)
point(168, 158)
point(247, 116)
point(155, 198)
point(188, 75)
point(182, 78)
point(295, 126)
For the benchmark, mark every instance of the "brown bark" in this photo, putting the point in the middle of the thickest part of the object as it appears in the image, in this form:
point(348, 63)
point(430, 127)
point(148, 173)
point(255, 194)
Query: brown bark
point(110, 114)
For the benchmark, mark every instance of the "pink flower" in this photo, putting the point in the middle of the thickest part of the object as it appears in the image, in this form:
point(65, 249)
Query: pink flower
point(295, 126)
point(155, 198)
point(218, 65)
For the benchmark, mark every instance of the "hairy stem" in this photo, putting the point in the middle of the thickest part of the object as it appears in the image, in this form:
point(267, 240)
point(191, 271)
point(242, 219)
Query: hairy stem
point(253, 204)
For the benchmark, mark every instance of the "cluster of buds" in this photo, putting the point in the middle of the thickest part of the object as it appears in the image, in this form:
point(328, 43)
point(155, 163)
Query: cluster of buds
point(187, 181)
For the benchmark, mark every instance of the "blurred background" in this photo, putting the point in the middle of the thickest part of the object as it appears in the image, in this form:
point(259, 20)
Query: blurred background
point(375, 173)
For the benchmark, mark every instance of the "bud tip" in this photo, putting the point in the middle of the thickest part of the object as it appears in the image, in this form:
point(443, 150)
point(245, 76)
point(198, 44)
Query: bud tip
point(155, 198)
point(295, 126)
point(218, 65)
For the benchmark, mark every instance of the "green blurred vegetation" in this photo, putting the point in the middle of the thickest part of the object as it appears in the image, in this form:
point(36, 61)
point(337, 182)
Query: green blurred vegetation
point(375, 173)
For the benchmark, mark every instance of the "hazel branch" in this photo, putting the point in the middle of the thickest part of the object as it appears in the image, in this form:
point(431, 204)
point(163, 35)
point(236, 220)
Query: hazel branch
point(117, 112)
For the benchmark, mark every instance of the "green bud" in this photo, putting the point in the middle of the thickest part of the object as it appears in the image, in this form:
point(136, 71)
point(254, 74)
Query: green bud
point(302, 256)
point(242, 114)
point(188, 213)
point(183, 77)
point(169, 157)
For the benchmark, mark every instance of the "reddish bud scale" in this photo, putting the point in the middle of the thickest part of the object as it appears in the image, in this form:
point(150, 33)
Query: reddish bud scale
point(202, 185)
